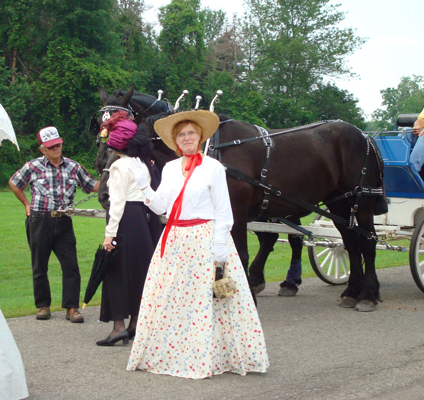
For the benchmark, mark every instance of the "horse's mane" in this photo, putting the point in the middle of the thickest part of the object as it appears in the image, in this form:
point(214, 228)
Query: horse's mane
point(224, 117)
point(138, 97)
point(150, 121)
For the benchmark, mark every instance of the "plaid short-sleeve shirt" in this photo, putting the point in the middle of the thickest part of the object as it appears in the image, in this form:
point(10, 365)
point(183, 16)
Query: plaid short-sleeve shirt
point(51, 187)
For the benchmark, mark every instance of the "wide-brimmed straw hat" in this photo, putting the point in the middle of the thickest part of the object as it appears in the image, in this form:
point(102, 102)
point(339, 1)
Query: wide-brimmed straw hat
point(207, 120)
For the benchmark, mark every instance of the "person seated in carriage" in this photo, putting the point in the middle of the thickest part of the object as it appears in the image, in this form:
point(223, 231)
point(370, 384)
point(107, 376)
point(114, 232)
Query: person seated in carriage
point(416, 137)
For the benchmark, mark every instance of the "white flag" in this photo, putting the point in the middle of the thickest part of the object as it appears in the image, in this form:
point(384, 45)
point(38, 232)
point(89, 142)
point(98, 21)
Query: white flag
point(6, 128)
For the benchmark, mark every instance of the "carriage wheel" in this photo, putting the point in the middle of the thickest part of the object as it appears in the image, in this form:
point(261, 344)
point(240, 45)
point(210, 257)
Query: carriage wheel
point(331, 264)
point(416, 255)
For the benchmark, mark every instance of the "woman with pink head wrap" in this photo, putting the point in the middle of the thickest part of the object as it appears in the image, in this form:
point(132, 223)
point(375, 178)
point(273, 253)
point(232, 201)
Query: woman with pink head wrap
point(128, 229)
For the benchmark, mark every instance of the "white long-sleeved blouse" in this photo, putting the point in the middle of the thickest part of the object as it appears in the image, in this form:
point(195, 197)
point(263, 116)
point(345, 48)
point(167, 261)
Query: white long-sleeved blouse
point(205, 196)
point(122, 188)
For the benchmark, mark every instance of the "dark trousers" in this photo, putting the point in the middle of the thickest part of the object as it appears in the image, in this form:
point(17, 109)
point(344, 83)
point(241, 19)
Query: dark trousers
point(46, 234)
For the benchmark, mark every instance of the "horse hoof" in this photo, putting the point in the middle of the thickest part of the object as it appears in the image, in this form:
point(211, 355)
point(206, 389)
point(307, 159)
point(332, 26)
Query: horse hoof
point(347, 302)
point(258, 288)
point(284, 292)
point(365, 306)
point(287, 289)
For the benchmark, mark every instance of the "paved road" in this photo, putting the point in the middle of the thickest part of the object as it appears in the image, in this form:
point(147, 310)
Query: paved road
point(317, 351)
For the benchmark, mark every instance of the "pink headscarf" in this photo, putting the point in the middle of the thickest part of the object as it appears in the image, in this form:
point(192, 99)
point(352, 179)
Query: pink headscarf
point(122, 132)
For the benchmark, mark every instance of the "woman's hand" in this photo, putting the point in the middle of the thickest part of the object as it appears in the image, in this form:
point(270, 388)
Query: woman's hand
point(139, 173)
point(220, 252)
point(107, 244)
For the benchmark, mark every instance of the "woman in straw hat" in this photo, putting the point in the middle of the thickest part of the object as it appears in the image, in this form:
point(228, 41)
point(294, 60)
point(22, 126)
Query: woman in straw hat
point(182, 329)
point(128, 227)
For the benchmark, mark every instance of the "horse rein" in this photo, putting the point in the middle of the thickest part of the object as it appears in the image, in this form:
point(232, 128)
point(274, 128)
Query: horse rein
point(164, 106)
point(269, 135)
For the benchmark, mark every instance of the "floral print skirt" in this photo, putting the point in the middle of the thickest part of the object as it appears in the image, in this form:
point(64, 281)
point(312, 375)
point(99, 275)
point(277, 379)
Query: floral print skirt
point(182, 330)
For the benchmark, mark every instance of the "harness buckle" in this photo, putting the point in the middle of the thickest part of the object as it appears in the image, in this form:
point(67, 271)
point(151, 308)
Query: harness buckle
point(238, 141)
point(355, 208)
point(364, 170)
point(264, 204)
point(263, 173)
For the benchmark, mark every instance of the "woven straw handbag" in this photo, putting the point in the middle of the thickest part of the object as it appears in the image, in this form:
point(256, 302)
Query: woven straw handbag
point(223, 286)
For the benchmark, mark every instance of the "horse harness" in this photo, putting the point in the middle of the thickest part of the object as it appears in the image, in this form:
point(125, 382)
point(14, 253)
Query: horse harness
point(94, 127)
point(213, 151)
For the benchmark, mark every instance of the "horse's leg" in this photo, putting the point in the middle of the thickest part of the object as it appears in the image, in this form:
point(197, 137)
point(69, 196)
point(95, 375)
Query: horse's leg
point(293, 278)
point(351, 241)
point(103, 193)
point(370, 294)
point(256, 269)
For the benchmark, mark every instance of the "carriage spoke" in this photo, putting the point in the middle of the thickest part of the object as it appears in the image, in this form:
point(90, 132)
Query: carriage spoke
point(345, 271)
point(337, 269)
point(331, 264)
point(421, 268)
point(325, 251)
point(330, 269)
point(324, 263)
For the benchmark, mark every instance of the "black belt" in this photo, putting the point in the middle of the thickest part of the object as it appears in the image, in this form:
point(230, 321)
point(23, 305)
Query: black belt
point(47, 213)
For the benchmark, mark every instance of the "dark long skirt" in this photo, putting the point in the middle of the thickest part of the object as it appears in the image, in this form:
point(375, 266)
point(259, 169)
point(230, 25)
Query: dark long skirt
point(123, 285)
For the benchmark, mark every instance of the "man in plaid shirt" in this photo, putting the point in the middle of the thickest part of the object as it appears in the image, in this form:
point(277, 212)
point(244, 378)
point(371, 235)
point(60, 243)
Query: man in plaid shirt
point(53, 180)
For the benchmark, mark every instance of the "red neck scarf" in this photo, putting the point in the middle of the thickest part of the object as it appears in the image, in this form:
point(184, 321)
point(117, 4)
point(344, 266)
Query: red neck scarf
point(193, 162)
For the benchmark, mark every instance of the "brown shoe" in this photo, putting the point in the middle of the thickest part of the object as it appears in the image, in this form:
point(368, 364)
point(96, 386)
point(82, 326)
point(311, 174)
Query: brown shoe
point(74, 315)
point(43, 313)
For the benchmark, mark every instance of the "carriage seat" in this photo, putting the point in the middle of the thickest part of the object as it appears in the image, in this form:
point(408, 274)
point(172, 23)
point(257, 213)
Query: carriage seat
point(400, 178)
point(405, 120)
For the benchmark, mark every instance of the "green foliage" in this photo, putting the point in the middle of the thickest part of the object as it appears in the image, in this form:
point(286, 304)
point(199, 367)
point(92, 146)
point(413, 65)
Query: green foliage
point(406, 98)
point(138, 41)
point(329, 102)
point(272, 64)
point(181, 41)
point(14, 99)
point(298, 44)
point(72, 91)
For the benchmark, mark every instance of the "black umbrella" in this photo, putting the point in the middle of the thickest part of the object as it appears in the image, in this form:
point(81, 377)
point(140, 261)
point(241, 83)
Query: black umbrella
point(103, 262)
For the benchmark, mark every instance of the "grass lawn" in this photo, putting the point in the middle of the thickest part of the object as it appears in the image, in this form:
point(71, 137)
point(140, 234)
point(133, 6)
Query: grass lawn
point(16, 295)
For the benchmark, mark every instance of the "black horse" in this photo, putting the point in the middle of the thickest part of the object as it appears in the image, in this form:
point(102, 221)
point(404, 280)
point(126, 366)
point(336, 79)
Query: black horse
point(323, 163)
point(143, 106)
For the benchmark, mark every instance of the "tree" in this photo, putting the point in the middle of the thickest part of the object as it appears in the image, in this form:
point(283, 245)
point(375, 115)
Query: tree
point(328, 102)
point(83, 52)
point(407, 98)
point(138, 39)
point(181, 42)
point(298, 45)
point(13, 94)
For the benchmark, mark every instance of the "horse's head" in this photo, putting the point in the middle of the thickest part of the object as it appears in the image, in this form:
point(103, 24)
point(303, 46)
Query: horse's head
point(110, 105)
